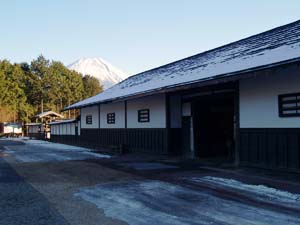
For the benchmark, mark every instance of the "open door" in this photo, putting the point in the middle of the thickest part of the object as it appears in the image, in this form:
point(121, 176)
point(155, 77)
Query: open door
point(214, 127)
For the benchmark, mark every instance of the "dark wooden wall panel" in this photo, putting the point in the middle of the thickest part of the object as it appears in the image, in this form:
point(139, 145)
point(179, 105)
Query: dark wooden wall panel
point(39, 136)
point(136, 140)
point(65, 139)
point(276, 148)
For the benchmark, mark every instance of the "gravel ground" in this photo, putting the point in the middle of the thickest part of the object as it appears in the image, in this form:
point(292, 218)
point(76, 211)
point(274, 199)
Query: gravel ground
point(22, 204)
point(59, 180)
point(45, 183)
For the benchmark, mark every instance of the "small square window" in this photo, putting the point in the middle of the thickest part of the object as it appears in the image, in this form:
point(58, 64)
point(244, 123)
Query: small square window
point(89, 119)
point(144, 116)
point(111, 118)
point(289, 105)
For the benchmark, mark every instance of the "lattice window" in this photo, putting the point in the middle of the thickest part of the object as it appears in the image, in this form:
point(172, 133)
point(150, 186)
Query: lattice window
point(289, 105)
point(144, 116)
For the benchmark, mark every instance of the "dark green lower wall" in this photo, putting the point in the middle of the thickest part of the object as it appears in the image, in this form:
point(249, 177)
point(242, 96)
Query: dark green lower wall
point(134, 140)
point(65, 139)
point(39, 136)
point(270, 148)
point(264, 148)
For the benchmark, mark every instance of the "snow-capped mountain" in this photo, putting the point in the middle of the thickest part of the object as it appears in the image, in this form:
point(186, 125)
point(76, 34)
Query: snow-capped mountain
point(107, 74)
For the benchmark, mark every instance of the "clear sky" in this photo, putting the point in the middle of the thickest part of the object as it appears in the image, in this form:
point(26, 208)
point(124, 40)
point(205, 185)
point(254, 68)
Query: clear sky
point(133, 35)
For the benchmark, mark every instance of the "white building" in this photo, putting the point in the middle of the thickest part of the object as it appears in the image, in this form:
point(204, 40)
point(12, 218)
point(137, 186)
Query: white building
point(67, 131)
point(240, 101)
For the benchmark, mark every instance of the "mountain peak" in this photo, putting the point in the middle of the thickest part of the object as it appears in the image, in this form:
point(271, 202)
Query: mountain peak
point(99, 68)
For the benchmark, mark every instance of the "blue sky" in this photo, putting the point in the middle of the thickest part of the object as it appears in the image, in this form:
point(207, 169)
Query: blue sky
point(134, 35)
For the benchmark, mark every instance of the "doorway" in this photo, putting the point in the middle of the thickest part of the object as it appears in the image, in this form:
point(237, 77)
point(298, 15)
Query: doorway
point(213, 127)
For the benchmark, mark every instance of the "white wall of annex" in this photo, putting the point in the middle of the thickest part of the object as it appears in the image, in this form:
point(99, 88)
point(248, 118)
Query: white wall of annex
point(63, 129)
point(157, 106)
point(34, 129)
point(94, 112)
point(52, 129)
point(79, 126)
point(259, 99)
point(72, 128)
point(119, 109)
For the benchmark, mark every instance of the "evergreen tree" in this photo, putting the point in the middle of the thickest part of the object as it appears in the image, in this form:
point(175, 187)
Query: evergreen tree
point(27, 89)
point(91, 86)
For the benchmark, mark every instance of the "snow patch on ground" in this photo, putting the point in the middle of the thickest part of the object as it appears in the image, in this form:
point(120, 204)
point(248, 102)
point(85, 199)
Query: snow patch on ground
point(55, 145)
point(43, 151)
point(156, 202)
point(261, 191)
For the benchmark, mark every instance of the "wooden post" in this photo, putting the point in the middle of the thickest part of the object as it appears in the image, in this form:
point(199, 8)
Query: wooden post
point(237, 124)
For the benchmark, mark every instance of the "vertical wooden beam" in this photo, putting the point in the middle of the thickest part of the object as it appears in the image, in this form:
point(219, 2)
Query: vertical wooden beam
point(99, 116)
point(125, 106)
point(237, 123)
point(167, 108)
point(125, 140)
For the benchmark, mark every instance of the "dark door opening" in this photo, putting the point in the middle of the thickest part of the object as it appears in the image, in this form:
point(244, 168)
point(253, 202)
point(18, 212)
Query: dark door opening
point(186, 137)
point(213, 118)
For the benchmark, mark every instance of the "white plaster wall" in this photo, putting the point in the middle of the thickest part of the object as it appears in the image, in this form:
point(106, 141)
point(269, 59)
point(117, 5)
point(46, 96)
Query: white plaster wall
point(79, 127)
point(67, 128)
point(72, 128)
point(259, 99)
point(59, 127)
point(69, 131)
point(63, 126)
point(63, 129)
point(53, 129)
point(119, 109)
point(33, 129)
point(157, 107)
point(94, 111)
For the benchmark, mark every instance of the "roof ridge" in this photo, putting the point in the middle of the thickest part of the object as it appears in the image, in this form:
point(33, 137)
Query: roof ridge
point(272, 47)
point(214, 49)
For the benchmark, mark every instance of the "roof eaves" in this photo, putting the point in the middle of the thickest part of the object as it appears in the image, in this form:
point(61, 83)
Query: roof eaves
point(167, 88)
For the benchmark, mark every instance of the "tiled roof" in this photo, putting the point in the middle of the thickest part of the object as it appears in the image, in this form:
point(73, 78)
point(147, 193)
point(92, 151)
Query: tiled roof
point(49, 113)
point(272, 47)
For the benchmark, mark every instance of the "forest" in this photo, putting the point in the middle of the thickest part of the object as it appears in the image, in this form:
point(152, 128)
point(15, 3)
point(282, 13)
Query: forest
point(27, 89)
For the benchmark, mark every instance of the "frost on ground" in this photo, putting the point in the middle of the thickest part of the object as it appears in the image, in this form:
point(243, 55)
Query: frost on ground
point(260, 191)
point(43, 151)
point(55, 145)
point(156, 202)
point(148, 166)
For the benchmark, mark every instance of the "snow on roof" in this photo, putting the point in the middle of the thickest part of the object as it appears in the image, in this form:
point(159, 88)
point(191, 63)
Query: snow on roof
point(278, 45)
point(49, 113)
point(62, 121)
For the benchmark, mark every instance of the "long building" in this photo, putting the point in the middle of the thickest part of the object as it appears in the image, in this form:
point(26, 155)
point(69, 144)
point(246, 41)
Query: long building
point(240, 101)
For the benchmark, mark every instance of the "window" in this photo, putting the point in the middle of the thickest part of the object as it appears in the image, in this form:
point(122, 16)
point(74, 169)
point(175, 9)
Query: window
point(144, 116)
point(289, 105)
point(89, 119)
point(111, 118)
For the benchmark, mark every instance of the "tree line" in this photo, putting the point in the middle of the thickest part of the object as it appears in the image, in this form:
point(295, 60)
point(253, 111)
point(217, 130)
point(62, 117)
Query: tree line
point(28, 89)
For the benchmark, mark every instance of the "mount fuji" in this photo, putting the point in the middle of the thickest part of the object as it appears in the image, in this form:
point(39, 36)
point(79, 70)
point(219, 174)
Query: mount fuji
point(107, 74)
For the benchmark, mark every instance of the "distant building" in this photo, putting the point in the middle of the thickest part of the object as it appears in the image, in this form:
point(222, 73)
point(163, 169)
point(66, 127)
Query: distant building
point(11, 129)
point(238, 102)
point(66, 131)
point(40, 129)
